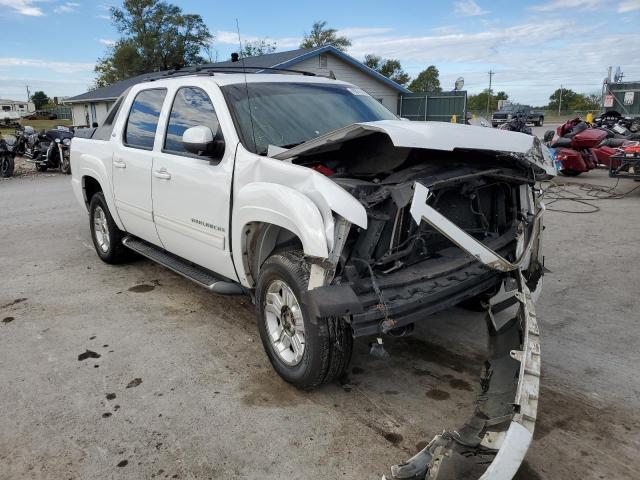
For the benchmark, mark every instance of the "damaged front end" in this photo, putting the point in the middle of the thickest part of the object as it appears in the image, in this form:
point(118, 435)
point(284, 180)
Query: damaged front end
point(449, 221)
point(501, 429)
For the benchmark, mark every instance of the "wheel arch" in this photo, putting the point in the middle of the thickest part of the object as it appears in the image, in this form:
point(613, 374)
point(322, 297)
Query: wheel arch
point(266, 216)
point(91, 183)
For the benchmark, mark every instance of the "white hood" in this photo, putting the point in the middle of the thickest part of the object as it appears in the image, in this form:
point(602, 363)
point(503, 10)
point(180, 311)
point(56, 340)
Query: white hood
point(436, 136)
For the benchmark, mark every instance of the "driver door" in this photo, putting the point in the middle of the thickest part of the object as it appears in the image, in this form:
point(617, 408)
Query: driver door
point(191, 194)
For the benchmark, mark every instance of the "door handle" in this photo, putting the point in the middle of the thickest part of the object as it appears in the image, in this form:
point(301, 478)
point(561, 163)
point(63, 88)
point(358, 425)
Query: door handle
point(162, 173)
point(119, 164)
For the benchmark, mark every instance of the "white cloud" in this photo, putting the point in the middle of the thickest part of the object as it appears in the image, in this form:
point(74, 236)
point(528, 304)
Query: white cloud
point(569, 4)
point(62, 67)
point(23, 7)
point(469, 8)
point(629, 6)
point(231, 38)
point(107, 42)
point(66, 7)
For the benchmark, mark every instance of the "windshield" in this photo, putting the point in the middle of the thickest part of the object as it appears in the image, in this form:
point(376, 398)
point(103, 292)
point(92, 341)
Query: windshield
point(288, 114)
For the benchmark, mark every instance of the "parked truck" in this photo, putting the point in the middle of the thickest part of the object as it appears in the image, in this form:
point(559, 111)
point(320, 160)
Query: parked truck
point(508, 111)
point(339, 220)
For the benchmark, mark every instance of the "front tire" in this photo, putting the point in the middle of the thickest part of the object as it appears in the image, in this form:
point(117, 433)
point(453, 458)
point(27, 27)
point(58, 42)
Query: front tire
point(65, 165)
point(305, 352)
point(107, 238)
point(570, 173)
point(7, 166)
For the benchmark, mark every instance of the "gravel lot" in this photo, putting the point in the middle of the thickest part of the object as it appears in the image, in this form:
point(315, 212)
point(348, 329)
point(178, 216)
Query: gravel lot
point(178, 385)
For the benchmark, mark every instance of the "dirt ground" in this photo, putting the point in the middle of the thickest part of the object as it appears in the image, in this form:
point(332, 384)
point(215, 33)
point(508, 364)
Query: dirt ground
point(133, 372)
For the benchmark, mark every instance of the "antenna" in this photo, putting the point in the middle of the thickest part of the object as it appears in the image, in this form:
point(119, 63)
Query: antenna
point(246, 87)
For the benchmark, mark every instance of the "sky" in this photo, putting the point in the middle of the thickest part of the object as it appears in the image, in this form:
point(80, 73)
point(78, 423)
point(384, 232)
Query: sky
point(532, 46)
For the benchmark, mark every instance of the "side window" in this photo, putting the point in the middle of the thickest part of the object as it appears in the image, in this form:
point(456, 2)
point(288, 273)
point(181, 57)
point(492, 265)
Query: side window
point(103, 132)
point(140, 130)
point(191, 107)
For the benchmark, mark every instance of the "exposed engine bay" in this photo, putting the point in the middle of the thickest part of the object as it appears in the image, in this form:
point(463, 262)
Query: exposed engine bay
point(400, 269)
point(444, 227)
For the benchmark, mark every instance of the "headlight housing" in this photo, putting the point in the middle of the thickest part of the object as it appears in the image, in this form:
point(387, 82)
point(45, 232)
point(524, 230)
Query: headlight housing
point(66, 142)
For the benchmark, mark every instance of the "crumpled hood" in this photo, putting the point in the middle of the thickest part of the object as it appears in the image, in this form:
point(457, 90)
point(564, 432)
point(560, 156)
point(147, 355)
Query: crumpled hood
point(436, 136)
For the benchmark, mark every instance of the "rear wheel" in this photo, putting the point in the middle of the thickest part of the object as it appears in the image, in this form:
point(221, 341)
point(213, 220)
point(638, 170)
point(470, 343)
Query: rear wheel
point(305, 352)
point(570, 173)
point(41, 168)
point(107, 238)
point(540, 122)
point(6, 166)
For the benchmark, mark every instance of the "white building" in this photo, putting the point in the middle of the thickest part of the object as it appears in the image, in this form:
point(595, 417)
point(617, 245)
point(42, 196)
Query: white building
point(19, 106)
point(327, 61)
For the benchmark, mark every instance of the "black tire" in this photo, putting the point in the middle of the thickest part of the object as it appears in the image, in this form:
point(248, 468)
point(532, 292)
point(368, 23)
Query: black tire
point(7, 166)
point(540, 122)
point(328, 342)
point(116, 252)
point(41, 168)
point(65, 165)
point(570, 173)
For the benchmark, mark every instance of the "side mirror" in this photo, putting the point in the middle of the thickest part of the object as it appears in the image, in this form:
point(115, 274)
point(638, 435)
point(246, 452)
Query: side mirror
point(200, 141)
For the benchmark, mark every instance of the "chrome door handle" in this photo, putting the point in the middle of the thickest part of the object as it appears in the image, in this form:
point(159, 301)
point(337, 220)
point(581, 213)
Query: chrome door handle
point(162, 173)
point(119, 164)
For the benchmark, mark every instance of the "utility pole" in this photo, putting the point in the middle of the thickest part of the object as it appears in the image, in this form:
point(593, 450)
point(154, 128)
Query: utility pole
point(491, 74)
point(560, 102)
point(28, 94)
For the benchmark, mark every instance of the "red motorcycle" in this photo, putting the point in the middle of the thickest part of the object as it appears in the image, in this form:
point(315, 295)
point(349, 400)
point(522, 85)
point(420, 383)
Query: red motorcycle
point(578, 148)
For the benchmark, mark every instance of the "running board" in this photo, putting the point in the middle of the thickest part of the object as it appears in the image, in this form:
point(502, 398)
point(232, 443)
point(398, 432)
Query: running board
point(203, 277)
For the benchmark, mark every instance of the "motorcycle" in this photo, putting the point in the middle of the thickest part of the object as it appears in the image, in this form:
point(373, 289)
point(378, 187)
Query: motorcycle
point(49, 149)
point(517, 124)
point(7, 156)
point(578, 148)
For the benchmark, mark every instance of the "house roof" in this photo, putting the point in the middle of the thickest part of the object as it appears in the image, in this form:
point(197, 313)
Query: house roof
point(286, 59)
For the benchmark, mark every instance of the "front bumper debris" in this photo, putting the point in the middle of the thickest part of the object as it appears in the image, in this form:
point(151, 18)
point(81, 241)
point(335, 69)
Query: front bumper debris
point(501, 428)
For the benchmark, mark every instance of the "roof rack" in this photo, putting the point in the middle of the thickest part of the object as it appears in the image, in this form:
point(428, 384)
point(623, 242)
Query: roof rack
point(211, 70)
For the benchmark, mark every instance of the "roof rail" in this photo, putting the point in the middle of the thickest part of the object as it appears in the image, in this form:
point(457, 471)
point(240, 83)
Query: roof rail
point(211, 70)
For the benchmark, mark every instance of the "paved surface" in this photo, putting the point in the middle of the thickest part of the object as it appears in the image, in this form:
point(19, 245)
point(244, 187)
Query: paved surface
point(183, 389)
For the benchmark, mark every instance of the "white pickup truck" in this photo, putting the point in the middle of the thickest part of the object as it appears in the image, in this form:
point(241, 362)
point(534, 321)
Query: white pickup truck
point(340, 220)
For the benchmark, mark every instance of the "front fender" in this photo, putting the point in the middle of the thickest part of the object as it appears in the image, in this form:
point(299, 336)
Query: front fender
point(282, 206)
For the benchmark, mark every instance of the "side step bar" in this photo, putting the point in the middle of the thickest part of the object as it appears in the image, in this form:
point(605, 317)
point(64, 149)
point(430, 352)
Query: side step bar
point(203, 277)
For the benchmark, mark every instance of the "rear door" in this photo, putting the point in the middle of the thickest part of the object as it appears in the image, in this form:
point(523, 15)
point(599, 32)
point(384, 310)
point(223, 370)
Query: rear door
point(191, 194)
point(132, 164)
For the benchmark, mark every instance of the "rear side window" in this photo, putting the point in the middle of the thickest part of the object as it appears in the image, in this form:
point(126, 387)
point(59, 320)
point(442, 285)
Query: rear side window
point(142, 123)
point(103, 132)
point(191, 108)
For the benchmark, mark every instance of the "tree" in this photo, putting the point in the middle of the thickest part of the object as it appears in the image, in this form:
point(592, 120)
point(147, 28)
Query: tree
point(388, 67)
point(478, 102)
point(39, 99)
point(259, 47)
point(569, 97)
point(155, 36)
point(427, 81)
point(321, 36)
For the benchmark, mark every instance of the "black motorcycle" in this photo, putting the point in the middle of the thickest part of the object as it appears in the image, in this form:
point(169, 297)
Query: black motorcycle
point(7, 156)
point(517, 124)
point(49, 149)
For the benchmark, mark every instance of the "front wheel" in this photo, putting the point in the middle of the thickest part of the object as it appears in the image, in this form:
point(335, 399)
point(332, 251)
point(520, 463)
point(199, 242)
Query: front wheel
point(305, 352)
point(570, 173)
point(106, 236)
point(65, 165)
point(540, 122)
point(41, 168)
point(6, 166)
